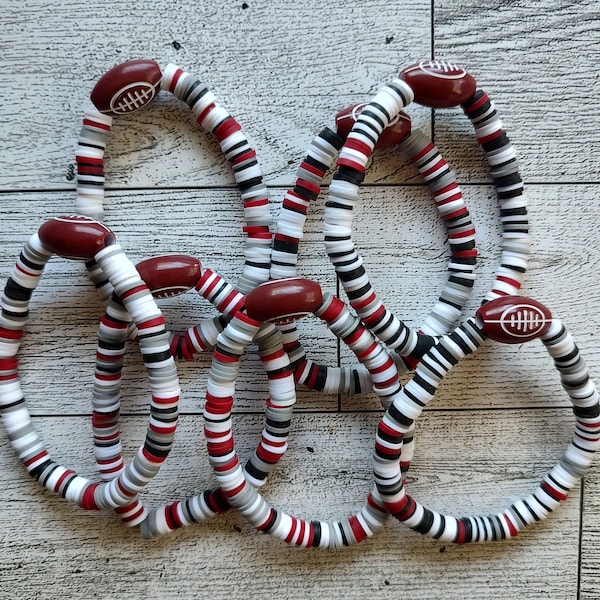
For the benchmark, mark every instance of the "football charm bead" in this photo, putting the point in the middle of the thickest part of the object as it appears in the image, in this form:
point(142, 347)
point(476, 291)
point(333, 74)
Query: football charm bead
point(284, 300)
point(391, 136)
point(75, 237)
point(170, 275)
point(439, 84)
point(127, 87)
point(514, 319)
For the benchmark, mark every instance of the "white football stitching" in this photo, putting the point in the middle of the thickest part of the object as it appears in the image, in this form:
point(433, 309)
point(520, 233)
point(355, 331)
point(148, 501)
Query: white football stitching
point(128, 99)
point(440, 69)
point(521, 320)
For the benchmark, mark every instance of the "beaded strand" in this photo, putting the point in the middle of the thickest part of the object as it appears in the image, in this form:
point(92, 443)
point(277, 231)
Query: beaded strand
point(153, 343)
point(551, 491)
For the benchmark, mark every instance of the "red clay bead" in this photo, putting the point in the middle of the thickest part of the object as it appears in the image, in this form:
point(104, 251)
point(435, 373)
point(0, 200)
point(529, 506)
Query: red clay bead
point(170, 275)
point(127, 87)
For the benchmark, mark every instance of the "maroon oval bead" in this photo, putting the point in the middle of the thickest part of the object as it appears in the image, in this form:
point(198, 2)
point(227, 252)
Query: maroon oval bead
point(439, 83)
point(514, 319)
point(127, 87)
point(76, 237)
point(391, 136)
point(170, 275)
point(284, 300)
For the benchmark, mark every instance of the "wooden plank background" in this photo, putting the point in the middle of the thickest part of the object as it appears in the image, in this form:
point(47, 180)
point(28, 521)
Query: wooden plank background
point(284, 69)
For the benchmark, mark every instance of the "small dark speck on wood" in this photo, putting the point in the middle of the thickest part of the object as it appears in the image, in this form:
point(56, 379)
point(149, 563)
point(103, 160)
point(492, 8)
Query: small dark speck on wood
point(70, 172)
point(310, 449)
point(389, 39)
point(245, 5)
point(176, 45)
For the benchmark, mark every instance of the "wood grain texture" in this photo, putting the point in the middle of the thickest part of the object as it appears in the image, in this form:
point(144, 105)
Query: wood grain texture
point(499, 421)
point(536, 60)
point(326, 474)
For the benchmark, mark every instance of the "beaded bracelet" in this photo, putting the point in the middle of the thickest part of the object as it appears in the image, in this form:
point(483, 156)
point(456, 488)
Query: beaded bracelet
point(435, 84)
point(81, 238)
point(165, 276)
point(451, 206)
point(280, 301)
point(505, 319)
point(132, 85)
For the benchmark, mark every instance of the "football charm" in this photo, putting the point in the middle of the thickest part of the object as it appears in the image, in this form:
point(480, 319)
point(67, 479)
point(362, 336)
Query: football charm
point(514, 319)
point(391, 136)
point(284, 300)
point(127, 87)
point(439, 84)
point(170, 275)
point(75, 236)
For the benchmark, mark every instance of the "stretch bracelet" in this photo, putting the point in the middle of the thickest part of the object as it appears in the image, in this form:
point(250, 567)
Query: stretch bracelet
point(271, 302)
point(81, 238)
point(290, 225)
point(271, 447)
point(506, 319)
point(165, 276)
point(131, 86)
point(432, 83)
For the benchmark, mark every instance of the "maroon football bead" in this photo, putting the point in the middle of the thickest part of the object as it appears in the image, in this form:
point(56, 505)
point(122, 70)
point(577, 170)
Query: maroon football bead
point(284, 300)
point(514, 319)
point(439, 83)
point(170, 275)
point(127, 87)
point(76, 237)
point(391, 136)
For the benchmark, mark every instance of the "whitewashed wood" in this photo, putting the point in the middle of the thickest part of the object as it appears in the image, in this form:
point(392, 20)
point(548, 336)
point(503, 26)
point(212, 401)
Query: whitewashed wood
point(319, 68)
point(283, 69)
point(460, 466)
point(536, 60)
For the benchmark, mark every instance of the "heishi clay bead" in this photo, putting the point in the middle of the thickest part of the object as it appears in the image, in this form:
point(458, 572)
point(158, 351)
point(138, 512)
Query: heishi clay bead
point(284, 300)
point(127, 87)
point(429, 373)
point(439, 83)
point(391, 136)
point(75, 237)
point(85, 239)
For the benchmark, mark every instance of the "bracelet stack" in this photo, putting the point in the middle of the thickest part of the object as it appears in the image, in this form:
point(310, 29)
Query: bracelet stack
point(261, 309)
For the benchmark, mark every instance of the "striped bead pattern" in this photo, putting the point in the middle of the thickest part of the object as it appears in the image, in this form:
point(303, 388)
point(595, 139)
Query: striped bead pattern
point(452, 208)
point(240, 486)
point(114, 331)
point(504, 170)
point(203, 336)
point(89, 158)
point(551, 491)
point(234, 145)
point(289, 230)
point(343, 196)
point(162, 376)
point(273, 441)
point(242, 158)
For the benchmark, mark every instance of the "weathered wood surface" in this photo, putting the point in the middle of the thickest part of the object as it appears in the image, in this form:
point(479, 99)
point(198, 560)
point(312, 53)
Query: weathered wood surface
point(500, 419)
